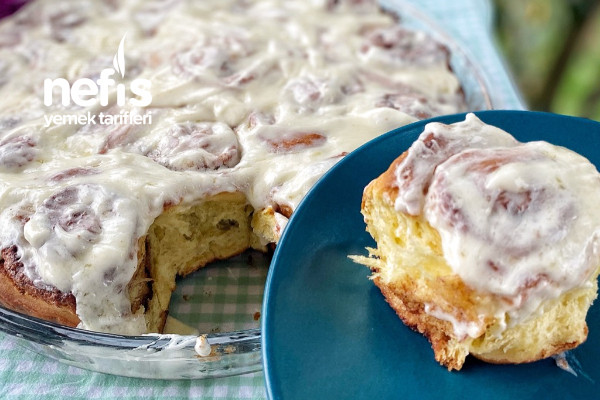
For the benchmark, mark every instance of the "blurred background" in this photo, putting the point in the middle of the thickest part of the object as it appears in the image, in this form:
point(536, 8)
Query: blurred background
point(552, 48)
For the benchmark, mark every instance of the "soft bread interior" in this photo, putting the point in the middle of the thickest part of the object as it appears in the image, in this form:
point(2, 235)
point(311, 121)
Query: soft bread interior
point(409, 267)
point(187, 237)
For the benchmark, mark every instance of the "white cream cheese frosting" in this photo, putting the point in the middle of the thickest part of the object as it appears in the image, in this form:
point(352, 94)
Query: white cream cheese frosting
point(517, 220)
point(259, 97)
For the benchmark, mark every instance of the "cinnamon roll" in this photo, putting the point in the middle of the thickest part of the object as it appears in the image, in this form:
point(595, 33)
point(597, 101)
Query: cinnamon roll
point(17, 151)
point(486, 245)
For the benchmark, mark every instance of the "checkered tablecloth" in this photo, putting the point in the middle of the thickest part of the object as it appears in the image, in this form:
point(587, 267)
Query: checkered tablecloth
point(227, 297)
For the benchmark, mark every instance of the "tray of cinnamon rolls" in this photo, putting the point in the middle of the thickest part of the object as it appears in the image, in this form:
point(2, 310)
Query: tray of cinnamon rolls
point(142, 141)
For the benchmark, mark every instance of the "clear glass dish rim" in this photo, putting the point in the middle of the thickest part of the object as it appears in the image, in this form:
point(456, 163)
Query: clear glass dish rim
point(235, 352)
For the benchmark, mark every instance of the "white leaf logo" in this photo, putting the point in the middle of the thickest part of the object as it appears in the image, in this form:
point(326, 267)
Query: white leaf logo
point(119, 58)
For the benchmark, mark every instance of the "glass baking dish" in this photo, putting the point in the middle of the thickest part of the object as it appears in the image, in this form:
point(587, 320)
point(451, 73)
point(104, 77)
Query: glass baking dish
point(233, 350)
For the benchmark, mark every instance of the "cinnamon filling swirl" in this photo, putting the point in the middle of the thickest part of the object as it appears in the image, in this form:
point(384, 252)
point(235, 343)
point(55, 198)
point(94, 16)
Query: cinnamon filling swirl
point(513, 217)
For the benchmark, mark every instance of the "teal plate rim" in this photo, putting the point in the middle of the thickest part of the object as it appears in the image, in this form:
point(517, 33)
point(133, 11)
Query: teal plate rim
point(328, 332)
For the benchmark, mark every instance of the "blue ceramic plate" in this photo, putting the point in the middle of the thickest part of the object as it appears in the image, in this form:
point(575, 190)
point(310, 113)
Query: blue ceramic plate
point(328, 332)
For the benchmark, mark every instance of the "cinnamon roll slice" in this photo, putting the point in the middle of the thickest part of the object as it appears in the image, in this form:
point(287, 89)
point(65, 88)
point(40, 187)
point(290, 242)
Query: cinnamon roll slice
point(486, 245)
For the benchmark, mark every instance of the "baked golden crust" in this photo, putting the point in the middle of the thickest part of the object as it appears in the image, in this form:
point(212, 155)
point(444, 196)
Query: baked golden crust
point(18, 293)
point(384, 186)
point(412, 313)
point(410, 270)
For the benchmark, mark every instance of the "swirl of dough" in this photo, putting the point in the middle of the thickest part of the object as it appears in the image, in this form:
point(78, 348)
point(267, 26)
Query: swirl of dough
point(17, 151)
point(486, 185)
point(511, 219)
point(222, 55)
point(435, 145)
point(196, 146)
point(76, 225)
point(199, 59)
point(409, 101)
point(284, 141)
point(403, 47)
point(72, 173)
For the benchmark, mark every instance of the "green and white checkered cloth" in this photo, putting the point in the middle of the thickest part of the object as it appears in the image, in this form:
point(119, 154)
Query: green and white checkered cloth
point(228, 297)
point(224, 296)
